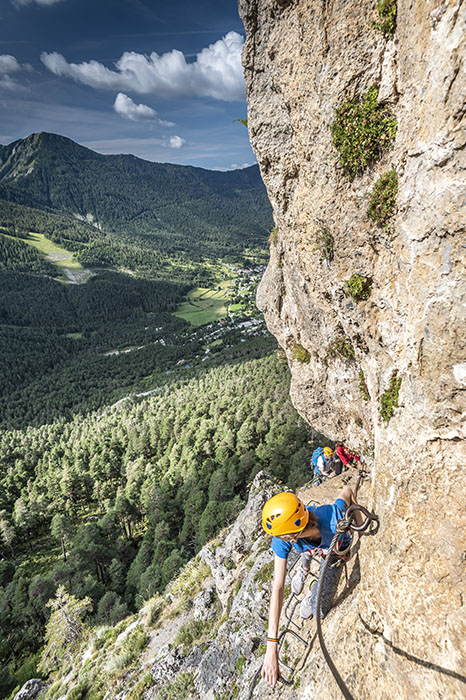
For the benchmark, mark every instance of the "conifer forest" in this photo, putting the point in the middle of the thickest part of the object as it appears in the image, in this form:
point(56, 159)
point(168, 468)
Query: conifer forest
point(129, 433)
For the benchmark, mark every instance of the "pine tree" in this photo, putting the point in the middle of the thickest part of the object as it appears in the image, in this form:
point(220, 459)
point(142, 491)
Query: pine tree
point(64, 628)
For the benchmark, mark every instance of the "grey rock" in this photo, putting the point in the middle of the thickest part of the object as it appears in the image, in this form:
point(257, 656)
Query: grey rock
point(202, 603)
point(31, 689)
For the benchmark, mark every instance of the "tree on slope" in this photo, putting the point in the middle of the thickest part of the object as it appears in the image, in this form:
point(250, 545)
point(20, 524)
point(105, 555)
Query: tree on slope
point(64, 627)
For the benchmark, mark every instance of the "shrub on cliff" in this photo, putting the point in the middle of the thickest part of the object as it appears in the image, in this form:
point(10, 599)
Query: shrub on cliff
point(389, 399)
point(324, 244)
point(362, 386)
point(64, 628)
point(387, 13)
point(300, 354)
point(358, 287)
point(382, 201)
point(361, 131)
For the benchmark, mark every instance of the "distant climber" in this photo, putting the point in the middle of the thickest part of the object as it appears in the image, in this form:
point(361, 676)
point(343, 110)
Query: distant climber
point(306, 528)
point(322, 461)
point(345, 458)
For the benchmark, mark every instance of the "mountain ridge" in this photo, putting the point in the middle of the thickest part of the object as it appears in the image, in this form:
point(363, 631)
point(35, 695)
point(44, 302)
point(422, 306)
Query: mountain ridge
point(58, 173)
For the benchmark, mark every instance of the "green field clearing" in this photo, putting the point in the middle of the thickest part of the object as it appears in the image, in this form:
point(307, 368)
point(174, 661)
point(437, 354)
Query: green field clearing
point(204, 305)
point(59, 256)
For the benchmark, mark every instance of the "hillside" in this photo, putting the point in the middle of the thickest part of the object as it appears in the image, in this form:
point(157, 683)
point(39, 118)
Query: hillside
point(97, 253)
point(177, 206)
point(203, 636)
point(112, 503)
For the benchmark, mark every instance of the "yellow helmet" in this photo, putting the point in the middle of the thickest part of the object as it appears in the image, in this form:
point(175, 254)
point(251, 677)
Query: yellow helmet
point(328, 451)
point(283, 514)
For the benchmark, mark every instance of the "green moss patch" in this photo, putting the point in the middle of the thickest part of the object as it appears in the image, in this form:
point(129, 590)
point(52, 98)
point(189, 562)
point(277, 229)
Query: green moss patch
point(389, 399)
point(382, 203)
point(325, 244)
point(300, 354)
point(361, 131)
point(386, 23)
point(358, 287)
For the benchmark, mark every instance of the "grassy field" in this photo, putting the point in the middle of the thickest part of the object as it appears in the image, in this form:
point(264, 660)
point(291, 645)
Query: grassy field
point(205, 305)
point(73, 271)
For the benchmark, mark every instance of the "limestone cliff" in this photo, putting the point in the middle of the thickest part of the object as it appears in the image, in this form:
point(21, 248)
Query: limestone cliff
point(303, 59)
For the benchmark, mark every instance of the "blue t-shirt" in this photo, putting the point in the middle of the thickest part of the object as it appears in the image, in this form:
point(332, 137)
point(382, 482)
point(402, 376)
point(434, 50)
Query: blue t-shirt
point(327, 518)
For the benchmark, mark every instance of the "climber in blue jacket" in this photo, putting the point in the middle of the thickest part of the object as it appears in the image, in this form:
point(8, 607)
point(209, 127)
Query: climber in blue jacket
point(306, 529)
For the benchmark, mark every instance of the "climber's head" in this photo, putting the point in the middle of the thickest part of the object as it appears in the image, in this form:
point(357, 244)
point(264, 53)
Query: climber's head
point(283, 515)
point(328, 452)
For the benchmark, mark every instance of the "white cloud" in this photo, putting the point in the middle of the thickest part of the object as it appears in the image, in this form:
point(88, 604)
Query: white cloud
point(216, 72)
point(176, 142)
point(8, 65)
point(125, 106)
point(23, 3)
point(236, 166)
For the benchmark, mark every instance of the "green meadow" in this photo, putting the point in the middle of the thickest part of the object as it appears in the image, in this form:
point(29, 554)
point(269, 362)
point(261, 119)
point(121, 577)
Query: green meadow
point(72, 270)
point(205, 305)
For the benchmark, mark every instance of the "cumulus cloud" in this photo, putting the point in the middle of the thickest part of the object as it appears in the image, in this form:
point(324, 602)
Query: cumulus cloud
point(237, 166)
point(8, 65)
point(125, 106)
point(176, 142)
point(23, 3)
point(216, 72)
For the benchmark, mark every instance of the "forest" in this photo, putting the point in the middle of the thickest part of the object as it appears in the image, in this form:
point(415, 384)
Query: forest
point(55, 337)
point(128, 437)
point(183, 209)
point(111, 505)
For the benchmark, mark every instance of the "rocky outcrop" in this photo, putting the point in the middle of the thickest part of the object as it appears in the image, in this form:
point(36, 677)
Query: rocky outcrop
point(32, 689)
point(302, 60)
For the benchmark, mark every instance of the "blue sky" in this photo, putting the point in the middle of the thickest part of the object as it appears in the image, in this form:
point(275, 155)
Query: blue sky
point(159, 79)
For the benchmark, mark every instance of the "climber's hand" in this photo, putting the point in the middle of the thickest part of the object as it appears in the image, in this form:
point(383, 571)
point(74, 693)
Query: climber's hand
point(270, 671)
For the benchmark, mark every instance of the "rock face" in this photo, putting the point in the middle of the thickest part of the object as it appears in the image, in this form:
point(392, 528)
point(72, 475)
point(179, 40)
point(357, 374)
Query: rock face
point(31, 689)
point(302, 60)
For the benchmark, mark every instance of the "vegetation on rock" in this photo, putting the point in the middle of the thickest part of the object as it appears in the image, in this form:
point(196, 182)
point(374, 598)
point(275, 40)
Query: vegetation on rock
point(64, 628)
point(180, 689)
point(265, 574)
point(300, 354)
point(382, 202)
point(341, 347)
point(358, 287)
point(361, 131)
point(389, 399)
point(387, 23)
point(362, 386)
point(273, 237)
point(325, 244)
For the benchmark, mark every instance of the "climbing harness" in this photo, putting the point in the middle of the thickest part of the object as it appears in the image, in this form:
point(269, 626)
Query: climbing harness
point(345, 525)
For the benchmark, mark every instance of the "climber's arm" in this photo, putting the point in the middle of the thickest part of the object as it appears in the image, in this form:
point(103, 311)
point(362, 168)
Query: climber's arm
point(270, 667)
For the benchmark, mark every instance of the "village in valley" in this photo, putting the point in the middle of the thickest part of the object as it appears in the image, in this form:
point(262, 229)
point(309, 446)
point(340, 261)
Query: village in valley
point(236, 319)
point(222, 319)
